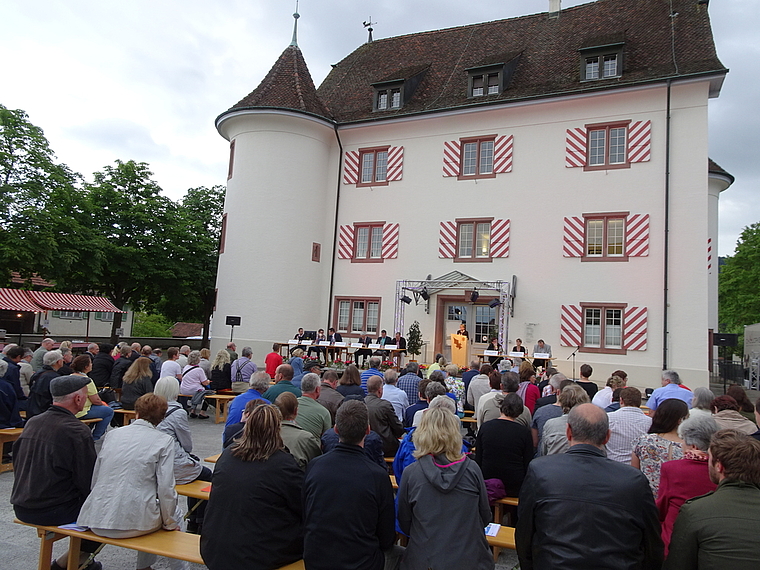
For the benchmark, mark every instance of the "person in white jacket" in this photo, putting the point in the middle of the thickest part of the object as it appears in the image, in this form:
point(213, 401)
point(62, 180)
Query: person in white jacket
point(133, 482)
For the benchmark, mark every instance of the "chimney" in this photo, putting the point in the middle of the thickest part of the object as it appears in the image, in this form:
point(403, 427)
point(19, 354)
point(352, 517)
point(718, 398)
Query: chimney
point(554, 8)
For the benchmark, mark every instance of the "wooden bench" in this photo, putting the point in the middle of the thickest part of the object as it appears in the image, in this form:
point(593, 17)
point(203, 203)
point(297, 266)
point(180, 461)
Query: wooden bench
point(172, 544)
point(91, 421)
point(7, 436)
point(213, 458)
point(498, 509)
point(194, 489)
point(126, 415)
point(505, 539)
point(220, 402)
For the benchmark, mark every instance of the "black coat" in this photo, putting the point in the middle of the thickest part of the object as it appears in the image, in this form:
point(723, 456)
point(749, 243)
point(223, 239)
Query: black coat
point(40, 398)
point(600, 514)
point(253, 518)
point(348, 510)
point(120, 368)
point(102, 365)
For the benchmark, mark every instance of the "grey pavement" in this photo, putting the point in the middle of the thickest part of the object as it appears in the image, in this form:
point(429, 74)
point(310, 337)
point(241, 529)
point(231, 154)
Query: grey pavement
point(20, 546)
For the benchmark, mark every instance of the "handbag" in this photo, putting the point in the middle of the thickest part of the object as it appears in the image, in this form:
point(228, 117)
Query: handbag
point(107, 394)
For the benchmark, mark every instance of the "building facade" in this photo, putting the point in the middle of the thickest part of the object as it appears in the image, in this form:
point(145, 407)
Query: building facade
point(556, 163)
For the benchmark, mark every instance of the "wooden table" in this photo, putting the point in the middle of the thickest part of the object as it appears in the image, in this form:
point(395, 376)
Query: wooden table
point(220, 406)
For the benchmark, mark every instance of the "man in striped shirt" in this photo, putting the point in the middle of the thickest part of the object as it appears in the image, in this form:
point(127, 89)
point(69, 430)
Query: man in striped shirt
point(626, 424)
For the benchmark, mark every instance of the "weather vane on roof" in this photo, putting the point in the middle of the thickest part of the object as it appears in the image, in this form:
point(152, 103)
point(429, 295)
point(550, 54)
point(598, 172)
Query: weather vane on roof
point(296, 15)
point(368, 24)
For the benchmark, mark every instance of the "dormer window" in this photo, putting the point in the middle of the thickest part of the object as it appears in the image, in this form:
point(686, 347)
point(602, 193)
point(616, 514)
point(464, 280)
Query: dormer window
point(602, 67)
point(602, 62)
point(394, 91)
point(485, 81)
point(486, 84)
point(388, 99)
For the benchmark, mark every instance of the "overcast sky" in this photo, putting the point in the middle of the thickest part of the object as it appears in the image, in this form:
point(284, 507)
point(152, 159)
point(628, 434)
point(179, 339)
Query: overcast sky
point(144, 80)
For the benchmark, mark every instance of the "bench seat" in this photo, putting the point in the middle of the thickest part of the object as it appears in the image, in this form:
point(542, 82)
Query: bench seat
point(7, 436)
point(172, 544)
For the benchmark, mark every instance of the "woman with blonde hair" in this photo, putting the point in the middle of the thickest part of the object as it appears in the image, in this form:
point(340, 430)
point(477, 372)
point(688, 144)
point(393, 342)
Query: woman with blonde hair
point(443, 481)
point(350, 384)
point(257, 526)
point(138, 380)
point(221, 375)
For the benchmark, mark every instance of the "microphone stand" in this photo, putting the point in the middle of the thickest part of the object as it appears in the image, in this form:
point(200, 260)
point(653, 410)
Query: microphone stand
point(573, 357)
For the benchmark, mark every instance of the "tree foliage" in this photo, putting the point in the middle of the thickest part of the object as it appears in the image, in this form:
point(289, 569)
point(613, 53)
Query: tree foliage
point(151, 325)
point(34, 189)
point(117, 236)
point(414, 339)
point(739, 284)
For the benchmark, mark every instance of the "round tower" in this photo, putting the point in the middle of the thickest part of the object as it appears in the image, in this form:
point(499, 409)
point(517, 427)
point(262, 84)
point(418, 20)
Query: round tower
point(276, 251)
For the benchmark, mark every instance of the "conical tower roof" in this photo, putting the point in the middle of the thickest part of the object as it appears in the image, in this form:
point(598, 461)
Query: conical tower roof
point(288, 85)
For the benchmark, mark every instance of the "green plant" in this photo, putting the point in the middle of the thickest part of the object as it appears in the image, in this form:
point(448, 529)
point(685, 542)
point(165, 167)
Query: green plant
point(414, 339)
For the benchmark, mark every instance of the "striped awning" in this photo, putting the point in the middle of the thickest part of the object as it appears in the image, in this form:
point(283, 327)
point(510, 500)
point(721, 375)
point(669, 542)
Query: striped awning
point(17, 300)
point(69, 302)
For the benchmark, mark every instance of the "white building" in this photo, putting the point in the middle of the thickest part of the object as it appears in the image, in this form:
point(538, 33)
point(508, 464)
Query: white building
point(556, 162)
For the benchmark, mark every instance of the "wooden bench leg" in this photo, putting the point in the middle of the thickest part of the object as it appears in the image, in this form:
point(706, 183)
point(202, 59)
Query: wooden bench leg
point(74, 548)
point(46, 548)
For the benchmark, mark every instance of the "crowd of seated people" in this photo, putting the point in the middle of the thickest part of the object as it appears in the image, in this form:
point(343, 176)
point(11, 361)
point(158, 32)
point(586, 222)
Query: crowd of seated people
point(321, 488)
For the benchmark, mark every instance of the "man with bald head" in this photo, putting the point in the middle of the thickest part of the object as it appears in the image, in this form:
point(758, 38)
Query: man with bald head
point(45, 347)
point(580, 510)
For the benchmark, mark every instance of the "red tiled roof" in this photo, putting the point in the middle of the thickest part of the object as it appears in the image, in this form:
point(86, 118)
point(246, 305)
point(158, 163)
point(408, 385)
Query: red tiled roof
point(34, 280)
point(550, 60)
point(184, 330)
point(288, 85)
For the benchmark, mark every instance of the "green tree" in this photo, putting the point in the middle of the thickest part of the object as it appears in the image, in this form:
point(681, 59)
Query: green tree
point(40, 203)
point(151, 325)
point(195, 241)
point(132, 226)
point(414, 339)
point(739, 284)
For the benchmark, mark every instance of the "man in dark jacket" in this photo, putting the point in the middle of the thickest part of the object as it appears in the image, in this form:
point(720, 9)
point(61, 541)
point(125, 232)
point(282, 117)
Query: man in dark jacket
point(580, 510)
point(102, 365)
point(13, 374)
point(40, 398)
point(349, 514)
point(382, 417)
point(54, 459)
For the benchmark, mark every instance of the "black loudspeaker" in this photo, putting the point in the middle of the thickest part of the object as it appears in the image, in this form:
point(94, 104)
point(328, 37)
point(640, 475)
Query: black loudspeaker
point(725, 339)
point(233, 321)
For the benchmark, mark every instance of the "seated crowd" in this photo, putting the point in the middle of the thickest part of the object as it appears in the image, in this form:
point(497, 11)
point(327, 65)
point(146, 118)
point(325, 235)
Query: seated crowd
point(600, 482)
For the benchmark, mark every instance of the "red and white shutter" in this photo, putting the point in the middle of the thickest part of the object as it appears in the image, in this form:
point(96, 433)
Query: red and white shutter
point(575, 148)
point(395, 163)
point(390, 241)
point(500, 238)
point(447, 240)
point(502, 154)
point(639, 141)
point(709, 253)
point(637, 235)
point(351, 167)
point(346, 242)
point(571, 325)
point(574, 237)
point(635, 333)
point(451, 157)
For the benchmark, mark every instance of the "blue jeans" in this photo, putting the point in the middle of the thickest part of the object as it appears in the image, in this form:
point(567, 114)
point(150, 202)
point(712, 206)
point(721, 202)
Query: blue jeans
point(104, 412)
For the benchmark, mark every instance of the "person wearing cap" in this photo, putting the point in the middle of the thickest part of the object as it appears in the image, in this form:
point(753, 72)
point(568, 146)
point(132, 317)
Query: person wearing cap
point(53, 460)
point(309, 366)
